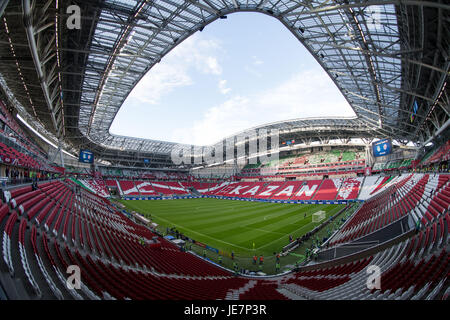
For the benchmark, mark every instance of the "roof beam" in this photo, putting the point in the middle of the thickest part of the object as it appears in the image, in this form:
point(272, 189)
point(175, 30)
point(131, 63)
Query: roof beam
point(211, 9)
point(27, 15)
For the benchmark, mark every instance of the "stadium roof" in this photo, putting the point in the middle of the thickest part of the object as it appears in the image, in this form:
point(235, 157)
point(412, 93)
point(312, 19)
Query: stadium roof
point(388, 58)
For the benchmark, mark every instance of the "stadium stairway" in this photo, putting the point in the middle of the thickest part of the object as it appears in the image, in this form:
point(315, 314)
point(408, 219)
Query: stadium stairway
point(234, 294)
point(339, 189)
point(317, 189)
point(289, 294)
point(195, 192)
point(361, 187)
point(119, 187)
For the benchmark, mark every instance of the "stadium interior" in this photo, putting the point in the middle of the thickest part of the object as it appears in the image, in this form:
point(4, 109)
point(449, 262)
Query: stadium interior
point(340, 196)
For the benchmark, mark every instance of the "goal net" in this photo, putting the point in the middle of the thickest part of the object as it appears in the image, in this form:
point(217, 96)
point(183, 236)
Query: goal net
point(318, 216)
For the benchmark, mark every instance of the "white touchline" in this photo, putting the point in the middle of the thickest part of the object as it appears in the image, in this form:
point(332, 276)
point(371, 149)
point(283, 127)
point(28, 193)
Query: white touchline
point(202, 234)
point(285, 235)
point(272, 214)
point(263, 230)
point(235, 245)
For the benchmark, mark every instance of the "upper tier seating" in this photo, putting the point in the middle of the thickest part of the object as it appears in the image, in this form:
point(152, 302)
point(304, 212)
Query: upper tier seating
point(11, 156)
point(23, 140)
point(324, 161)
point(440, 154)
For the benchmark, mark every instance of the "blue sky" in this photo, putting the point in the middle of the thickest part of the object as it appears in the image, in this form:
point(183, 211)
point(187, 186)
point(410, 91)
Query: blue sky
point(240, 72)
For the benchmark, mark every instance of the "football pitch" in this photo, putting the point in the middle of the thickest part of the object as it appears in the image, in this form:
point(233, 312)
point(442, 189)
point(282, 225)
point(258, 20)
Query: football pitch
point(246, 228)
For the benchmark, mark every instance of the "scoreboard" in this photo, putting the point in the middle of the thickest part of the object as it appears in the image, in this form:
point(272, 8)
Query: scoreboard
point(86, 156)
point(382, 147)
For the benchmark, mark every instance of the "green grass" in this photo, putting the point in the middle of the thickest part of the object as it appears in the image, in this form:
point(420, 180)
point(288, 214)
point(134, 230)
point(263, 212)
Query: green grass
point(230, 225)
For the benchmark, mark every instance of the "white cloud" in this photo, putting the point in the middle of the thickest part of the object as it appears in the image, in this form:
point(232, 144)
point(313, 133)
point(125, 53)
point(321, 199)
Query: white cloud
point(253, 66)
point(163, 79)
point(307, 94)
point(199, 53)
point(212, 66)
point(194, 54)
point(253, 71)
point(223, 87)
point(217, 122)
point(257, 61)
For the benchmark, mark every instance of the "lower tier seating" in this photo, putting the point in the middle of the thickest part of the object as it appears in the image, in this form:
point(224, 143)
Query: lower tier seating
point(47, 230)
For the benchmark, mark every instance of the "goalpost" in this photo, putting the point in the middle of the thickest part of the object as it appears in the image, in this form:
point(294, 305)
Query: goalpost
point(318, 216)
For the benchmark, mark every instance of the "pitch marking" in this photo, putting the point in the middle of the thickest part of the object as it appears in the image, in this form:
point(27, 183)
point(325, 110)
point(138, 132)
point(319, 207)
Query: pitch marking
point(202, 234)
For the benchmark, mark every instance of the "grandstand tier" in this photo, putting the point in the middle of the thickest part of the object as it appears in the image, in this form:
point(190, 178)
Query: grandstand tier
point(57, 225)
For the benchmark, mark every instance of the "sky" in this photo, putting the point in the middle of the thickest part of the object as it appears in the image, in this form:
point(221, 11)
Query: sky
point(239, 72)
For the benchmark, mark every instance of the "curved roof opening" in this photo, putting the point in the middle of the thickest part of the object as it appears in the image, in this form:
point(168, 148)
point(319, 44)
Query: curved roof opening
point(237, 73)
